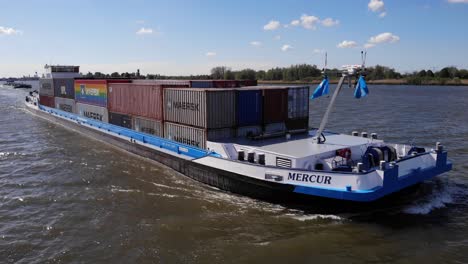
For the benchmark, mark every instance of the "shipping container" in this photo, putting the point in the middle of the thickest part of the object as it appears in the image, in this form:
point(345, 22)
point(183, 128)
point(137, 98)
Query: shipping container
point(297, 124)
point(243, 83)
point(94, 91)
point(64, 88)
point(120, 120)
point(193, 136)
point(204, 108)
point(46, 87)
point(275, 105)
point(201, 84)
point(93, 112)
point(248, 131)
point(65, 104)
point(298, 102)
point(136, 100)
point(48, 101)
point(185, 134)
point(225, 83)
point(178, 83)
point(148, 126)
point(275, 127)
point(249, 107)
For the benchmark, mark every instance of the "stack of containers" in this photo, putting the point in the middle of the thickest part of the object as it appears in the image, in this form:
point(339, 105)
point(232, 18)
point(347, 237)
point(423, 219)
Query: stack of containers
point(243, 83)
point(46, 92)
point(218, 83)
point(193, 116)
point(174, 83)
point(91, 98)
point(249, 112)
point(298, 108)
point(137, 106)
point(64, 94)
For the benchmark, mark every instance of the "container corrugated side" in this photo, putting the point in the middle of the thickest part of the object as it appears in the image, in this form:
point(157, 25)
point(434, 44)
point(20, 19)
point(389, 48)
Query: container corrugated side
point(185, 134)
point(204, 108)
point(243, 83)
point(120, 120)
point(46, 87)
point(136, 99)
point(91, 92)
point(248, 131)
point(179, 83)
point(249, 107)
point(148, 126)
point(93, 112)
point(201, 84)
point(64, 88)
point(275, 127)
point(275, 105)
point(65, 104)
point(48, 101)
point(298, 102)
point(225, 83)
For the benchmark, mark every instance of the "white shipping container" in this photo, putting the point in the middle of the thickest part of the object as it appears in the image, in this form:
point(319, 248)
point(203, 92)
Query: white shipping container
point(203, 108)
point(298, 102)
point(93, 112)
point(194, 136)
point(65, 104)
point(46, 87)
point(148, 126)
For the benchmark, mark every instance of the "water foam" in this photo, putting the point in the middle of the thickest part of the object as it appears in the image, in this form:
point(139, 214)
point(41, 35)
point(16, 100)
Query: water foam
point(438, 199)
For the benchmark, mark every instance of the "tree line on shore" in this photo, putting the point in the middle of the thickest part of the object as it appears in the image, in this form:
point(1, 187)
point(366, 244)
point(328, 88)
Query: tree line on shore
point(309, 73)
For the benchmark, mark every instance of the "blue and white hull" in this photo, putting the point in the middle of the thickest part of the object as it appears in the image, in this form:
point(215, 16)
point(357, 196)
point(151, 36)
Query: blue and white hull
point(263, 181)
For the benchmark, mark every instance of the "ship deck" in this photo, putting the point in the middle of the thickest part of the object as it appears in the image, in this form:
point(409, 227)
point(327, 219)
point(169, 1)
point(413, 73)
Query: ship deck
point(302, 145)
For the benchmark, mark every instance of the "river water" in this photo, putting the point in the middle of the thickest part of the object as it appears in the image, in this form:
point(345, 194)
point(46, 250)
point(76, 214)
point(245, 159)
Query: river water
point(65, 198)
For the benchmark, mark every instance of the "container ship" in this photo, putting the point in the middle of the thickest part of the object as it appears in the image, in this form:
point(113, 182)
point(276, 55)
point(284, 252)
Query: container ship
point(234, 135)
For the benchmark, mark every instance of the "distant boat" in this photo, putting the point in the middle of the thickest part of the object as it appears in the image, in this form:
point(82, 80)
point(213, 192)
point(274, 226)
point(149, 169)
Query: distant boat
point(16, 85)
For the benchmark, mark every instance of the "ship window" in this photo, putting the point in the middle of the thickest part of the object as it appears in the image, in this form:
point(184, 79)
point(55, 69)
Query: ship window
point(282, 162)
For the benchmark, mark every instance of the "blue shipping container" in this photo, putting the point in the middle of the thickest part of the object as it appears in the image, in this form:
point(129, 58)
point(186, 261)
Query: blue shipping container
point(201, 84)
point(249, 107)
point(64, 88)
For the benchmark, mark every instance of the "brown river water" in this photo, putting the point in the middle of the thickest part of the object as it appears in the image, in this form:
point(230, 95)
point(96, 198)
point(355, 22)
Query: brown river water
point(66, 198)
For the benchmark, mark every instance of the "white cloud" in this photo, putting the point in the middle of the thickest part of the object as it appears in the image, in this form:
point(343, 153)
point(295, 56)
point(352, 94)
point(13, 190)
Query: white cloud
point(272, 25)
point(256, 43)
point(369, 45)
point(330, 22)
point(9, 31)
point(309, 22)
point(210, 54)
point(458, 1)
point(376, 5)
point(277, 37)
point(318, 51)
point(347, 44)
point(144, 31)
point(386, 37)
point(295, 23)
point(286, 47)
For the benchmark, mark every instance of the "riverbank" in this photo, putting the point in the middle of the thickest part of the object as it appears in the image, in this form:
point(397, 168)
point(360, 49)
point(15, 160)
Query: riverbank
point(444, 82)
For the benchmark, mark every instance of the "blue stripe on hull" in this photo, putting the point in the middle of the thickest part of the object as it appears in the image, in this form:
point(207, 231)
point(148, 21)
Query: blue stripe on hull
point(392, 183)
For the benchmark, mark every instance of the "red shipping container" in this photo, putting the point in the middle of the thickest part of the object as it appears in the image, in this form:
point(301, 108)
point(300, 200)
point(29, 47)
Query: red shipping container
point(225, 84)
point(136, 99)
point(275, 105)
point(48, 101)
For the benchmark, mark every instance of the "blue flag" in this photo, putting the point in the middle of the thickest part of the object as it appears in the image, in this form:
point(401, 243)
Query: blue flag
point(322, 89)
point(361, 88)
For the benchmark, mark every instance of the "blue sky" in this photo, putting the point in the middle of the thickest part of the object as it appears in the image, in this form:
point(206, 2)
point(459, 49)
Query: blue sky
point(184, 37)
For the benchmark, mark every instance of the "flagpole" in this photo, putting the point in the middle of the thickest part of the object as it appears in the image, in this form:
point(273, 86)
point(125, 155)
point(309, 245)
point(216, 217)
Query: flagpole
point(329, 109)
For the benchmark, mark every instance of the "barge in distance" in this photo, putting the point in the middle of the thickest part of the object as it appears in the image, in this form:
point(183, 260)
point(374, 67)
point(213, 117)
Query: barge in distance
point(291, 164)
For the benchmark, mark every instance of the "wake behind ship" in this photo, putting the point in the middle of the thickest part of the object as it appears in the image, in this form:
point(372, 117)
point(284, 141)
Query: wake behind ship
point(235, 135)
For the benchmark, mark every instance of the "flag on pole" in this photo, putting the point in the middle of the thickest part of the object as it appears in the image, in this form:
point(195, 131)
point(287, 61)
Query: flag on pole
point(322, 89)
point(361, 88)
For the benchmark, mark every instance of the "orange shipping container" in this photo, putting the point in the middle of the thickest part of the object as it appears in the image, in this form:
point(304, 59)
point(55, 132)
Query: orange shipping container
point(136, 99)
